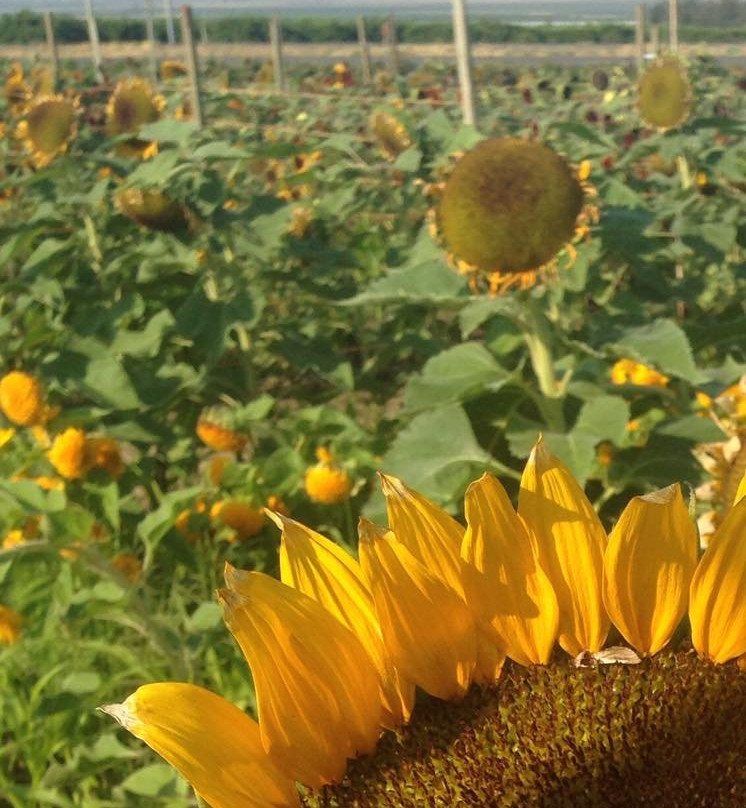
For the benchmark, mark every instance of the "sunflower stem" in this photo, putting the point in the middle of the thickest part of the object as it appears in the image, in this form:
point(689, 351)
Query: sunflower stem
point(538, 341)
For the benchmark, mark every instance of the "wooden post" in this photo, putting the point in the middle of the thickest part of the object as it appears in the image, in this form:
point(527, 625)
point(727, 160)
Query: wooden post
point(278, 66)
point(640, 36)
point(95, 44)
point(362, 41)
point(655, 39)
point(388, 35)
point(168, 14)
point(191, 60)
point(463, 61)
point(673, 25)
point(150, 34)
point(51, 47)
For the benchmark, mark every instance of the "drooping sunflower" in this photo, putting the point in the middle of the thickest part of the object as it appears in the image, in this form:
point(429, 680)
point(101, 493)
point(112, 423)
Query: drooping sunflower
point(339, 645)
point(508, 208)
point(152, 209)
point(664, 94)
point(132, 105)
point(48, 127)
point(390, 133)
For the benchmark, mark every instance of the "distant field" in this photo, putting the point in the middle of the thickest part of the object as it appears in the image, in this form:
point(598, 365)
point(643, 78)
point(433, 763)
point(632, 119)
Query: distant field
point(519, 52)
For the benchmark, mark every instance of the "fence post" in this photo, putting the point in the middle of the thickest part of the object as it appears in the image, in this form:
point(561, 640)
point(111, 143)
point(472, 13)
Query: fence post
point(203, 32)
point(278, 66)
point(640, 36)
point(150, 35)
point(673, 25)
point(95, 44)
point(655, 39)
point(463, 61)
point(191, 59)
point(168, 15)
point(51, 47)
point(362, 41)
point(388, 36)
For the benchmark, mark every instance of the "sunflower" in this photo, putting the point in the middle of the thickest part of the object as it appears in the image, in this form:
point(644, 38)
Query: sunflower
point(725, 460)
point(664, 94)
point(338, 646)
point(132, 105)
point(21, 398)
point(48, 127)
point(15, 91)
point(390, 133)
point(151, 208)
point(627, 371)
point(508, 208)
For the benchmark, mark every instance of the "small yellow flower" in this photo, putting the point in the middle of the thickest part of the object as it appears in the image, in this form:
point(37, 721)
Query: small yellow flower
point(219, 438)
point(10, 625)
point(6, 435)
point(21, 398)
point(104, 453)
point(627, 371)
point(13, 538)
point(69, 454)
point(239, 516)
point(49, 483)
point(584, 170)
point(327, 482)
point(129, 565)
point(189, 523)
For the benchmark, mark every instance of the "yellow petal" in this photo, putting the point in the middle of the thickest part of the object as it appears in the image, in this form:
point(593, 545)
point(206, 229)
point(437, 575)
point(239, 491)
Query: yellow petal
point(648, 566)
point(717, 607)
point(570, 542)
point(312, 564)
point(316, 688)
point(431, 535)
point(428, 629)
point(209, 741)
point(741, 491)
point(506, 587)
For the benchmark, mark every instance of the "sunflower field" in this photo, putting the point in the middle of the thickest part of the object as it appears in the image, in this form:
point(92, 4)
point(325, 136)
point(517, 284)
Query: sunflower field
point(212, 336)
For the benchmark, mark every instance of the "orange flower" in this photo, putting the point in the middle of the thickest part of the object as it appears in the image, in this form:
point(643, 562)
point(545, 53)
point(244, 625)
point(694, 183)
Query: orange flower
point(10, 625)
point(129, 565)
point(13, 538)
point(239, 516)
point(69, 454)
point(104, 453)
point(219, 437)
point(49, 483)
point(327, 482)
point(21, 398)
point(277, 505)
point(627, 371)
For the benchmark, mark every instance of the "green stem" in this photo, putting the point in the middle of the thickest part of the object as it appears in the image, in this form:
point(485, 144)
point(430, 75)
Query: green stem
point(538, 341)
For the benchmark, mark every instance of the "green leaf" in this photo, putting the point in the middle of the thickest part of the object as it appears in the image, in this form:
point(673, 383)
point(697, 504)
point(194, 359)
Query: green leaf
point(145, 341)
point(169, 131)
point(604, 418)
point(150, 781)
point(456, 374)
point(693, 428)
point(663, 344)
point(219, 150)
point(204, 617)
point(437, 454)
point(30, 496)
point(409, 160)
point(429, 282)
point(81, 683)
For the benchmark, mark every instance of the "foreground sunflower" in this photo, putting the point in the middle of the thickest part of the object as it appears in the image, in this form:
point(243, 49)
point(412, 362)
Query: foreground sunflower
point(338, 647)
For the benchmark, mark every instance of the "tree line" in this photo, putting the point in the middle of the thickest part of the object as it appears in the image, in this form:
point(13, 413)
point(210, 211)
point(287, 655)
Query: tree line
point(27, 27)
